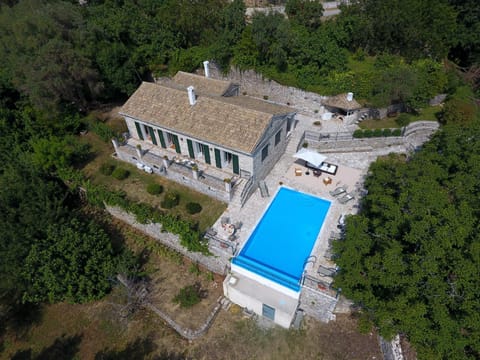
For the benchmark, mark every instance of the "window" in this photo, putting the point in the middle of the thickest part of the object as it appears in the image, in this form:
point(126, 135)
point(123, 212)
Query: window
point(278, 136)
point(265, 152)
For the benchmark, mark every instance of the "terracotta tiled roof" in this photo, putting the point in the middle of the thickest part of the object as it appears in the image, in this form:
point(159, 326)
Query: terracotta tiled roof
point(340, 102)
point(235, 122)
point(202, 84)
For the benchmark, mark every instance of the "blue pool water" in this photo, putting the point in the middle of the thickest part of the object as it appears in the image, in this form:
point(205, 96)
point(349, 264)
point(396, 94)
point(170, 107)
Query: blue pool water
point(284, 237)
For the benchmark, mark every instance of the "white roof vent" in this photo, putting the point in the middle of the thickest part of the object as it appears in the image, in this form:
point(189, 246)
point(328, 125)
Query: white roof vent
point(349, 96)
point(206, 68)
point(191, 95)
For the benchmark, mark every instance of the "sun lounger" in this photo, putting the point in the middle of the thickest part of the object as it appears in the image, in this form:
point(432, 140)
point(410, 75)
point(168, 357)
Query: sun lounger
point(338, 191)
point(346, 198)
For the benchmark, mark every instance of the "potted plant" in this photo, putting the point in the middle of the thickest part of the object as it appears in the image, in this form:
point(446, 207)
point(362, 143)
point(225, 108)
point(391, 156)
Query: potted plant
point(195, 171)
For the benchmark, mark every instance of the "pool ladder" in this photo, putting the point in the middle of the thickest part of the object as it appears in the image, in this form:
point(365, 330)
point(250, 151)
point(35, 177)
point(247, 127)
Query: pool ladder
point(311, 259)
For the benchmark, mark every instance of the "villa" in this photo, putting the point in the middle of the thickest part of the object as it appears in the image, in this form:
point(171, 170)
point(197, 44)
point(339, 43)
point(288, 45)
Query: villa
point(205, 124)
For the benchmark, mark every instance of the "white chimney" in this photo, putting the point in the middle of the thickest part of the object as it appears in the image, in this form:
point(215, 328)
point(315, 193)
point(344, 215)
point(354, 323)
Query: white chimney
point(191, 95)
point(349, 96)
point(207, 70)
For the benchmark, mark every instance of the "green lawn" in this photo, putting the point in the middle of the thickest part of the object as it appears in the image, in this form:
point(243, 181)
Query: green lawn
point(428, 113)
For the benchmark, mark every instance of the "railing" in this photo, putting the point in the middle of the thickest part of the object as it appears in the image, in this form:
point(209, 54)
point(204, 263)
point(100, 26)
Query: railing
point(247, 190)
point(319, 285)
point(224, 244)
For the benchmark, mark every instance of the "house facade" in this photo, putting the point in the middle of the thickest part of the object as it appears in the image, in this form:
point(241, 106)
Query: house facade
point(205, 122)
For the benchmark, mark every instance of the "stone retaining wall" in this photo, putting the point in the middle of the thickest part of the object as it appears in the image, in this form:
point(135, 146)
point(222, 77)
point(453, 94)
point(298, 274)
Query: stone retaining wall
point(317, 304)
point(216, 264)
point(255, 85)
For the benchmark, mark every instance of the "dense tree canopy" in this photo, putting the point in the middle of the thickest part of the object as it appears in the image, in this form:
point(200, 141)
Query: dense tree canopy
point(411, 258)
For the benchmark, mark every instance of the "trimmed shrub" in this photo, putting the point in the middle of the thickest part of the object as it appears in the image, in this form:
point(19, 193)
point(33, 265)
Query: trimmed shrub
point(120, 173)
point(188, 296)
point(317, 123)
point(368, 133)
point(397, 132)
point(377, 133)
point(107, 169)
point(387, 132)
point(305, 144)
point(171, 200)
point(358, 134)
point(154, 189)
point(193, 208)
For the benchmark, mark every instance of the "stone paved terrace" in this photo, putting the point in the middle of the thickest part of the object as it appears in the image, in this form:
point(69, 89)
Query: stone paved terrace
point(352, 168)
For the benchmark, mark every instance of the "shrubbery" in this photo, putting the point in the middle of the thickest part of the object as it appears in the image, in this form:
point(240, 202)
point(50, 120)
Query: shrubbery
point(154, 189)
point(120, 173)
point(170, 200)
point(403, 119)
point(188, 296)
point(107, 169)
point(193, 208)
point(367, 133)
point(103, 131)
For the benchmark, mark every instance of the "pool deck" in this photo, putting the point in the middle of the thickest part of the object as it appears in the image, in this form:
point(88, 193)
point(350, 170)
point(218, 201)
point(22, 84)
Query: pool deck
point(352, 168)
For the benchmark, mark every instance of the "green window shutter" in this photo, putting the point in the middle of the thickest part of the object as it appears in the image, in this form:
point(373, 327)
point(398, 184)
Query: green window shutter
point(177, 144)
point(139, 131)
point(152, 135)
point(236, 168)
point(206, 153)
point(218, 159)
point(190, 149)
point(162, 140)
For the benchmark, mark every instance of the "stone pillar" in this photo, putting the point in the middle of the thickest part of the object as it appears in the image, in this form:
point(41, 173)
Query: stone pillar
point(139, 151)
point(228, 185)
point(166, 163)
point(115, 145)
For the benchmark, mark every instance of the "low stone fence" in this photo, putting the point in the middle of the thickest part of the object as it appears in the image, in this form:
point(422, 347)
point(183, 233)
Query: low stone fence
point(216, 264)
point(345, 142)
point(184, 332)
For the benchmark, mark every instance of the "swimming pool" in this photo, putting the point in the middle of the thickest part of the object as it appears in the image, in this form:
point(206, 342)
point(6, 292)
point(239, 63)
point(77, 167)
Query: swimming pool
point(283, 239)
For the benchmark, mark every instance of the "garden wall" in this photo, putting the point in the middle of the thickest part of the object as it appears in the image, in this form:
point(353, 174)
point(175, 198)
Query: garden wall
point(216, 264)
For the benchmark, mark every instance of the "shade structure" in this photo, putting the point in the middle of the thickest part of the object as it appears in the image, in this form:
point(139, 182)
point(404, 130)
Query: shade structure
point(312, 157)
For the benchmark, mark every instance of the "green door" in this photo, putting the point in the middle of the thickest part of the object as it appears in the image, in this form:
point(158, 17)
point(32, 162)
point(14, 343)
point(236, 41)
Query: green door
point(162, 140)
point(236, 167)
point(152, 135)
point(139, 131)
point(190, 149)
point(206, 153)
point(218, 159)
point(177, 144)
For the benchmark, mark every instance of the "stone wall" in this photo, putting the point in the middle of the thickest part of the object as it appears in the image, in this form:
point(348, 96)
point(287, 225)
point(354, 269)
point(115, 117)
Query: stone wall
point(317, 304)
point(255, 85)
point(216, 264)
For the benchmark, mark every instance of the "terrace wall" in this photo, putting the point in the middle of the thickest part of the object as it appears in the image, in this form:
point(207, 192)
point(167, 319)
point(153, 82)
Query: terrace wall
point(216, 264)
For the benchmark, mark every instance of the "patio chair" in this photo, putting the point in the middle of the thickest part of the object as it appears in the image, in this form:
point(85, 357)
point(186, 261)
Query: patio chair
point(238, 225)
point(338, 191)
point(317, 173)
point(346, 198)
point(225, 220)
